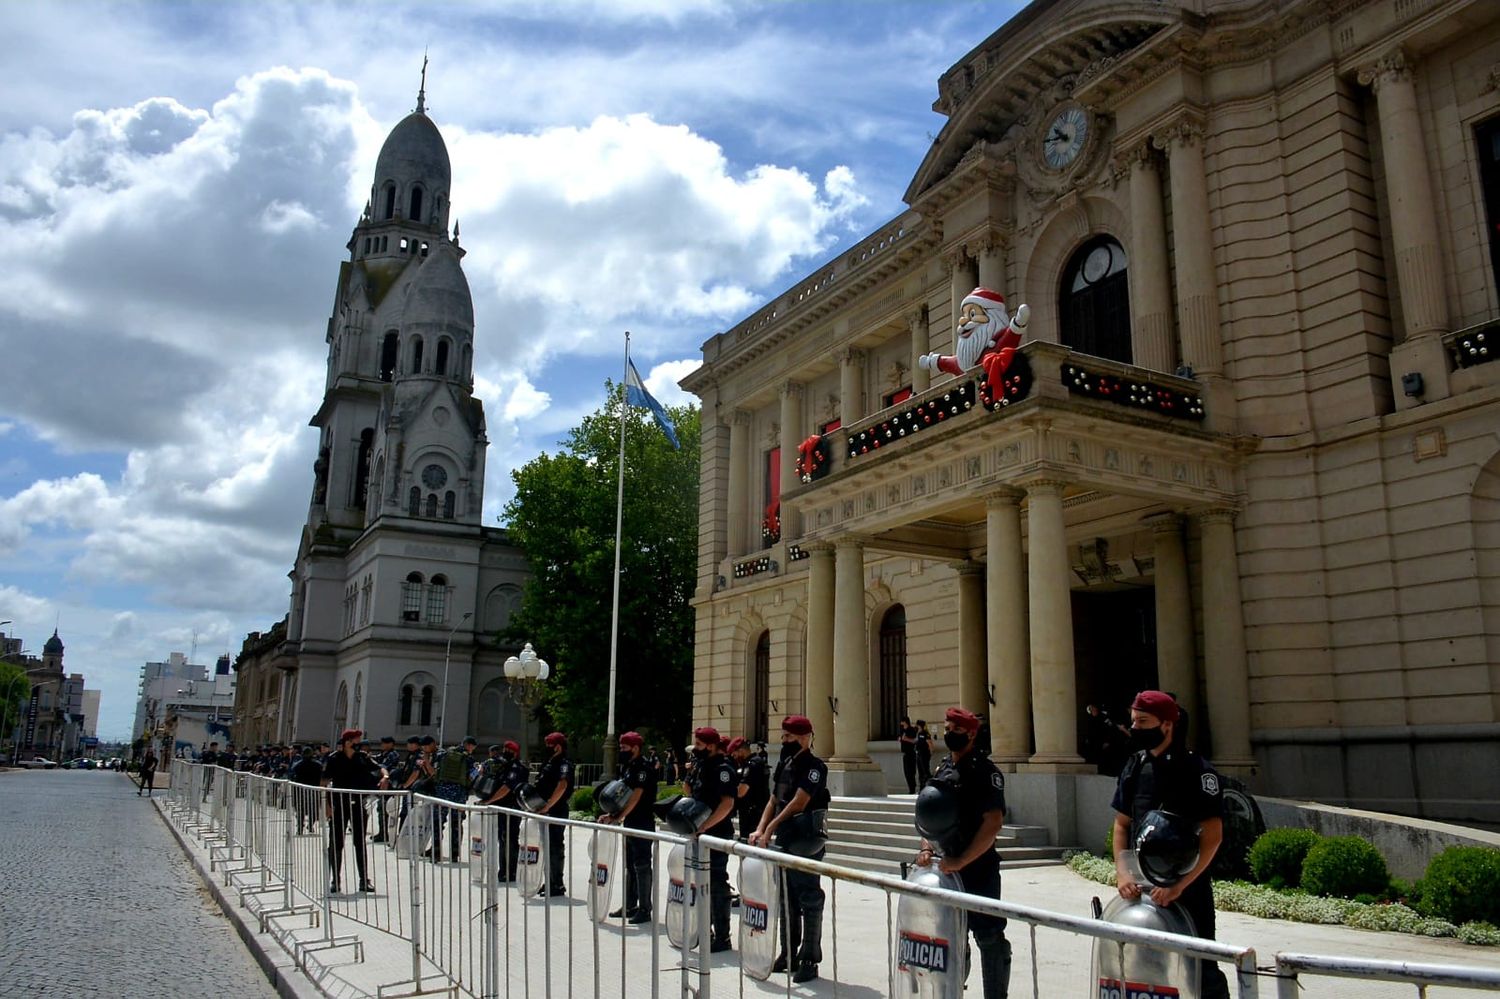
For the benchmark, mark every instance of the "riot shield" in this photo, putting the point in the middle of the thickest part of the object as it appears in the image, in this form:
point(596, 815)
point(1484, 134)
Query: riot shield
point(415, 831)
point(1128, 971)
point(682, 901)
point(476, 859)
point(531, 873)
point(930, 953)
point(604, 847)
point(760, 918)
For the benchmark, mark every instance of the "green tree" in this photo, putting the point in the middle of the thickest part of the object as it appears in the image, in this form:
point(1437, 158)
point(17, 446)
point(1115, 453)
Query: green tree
point(563, 518)
point(14, 693)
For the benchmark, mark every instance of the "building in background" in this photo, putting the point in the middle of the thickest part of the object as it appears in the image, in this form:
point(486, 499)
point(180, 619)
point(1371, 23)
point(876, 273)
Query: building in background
point(1248, 453)
point(158, 680)
point(52, 718)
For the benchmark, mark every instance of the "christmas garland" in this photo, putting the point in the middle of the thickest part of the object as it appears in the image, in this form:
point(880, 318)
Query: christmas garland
point(812, 460)
point(1132, 393)
point(770, 524)
point(1014, 384)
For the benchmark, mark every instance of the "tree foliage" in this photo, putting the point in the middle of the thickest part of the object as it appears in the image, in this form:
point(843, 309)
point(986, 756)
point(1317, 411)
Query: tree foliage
point(14, 693)
point(563, 518)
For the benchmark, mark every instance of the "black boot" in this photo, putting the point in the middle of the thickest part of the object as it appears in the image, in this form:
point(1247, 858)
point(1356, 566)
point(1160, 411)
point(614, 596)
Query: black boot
point(810, 954)
point(720, 924)
point(790, 942)
point(994, 969)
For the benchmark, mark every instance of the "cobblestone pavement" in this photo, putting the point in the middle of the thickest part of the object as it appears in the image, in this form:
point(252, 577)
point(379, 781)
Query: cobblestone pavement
point(96, 898)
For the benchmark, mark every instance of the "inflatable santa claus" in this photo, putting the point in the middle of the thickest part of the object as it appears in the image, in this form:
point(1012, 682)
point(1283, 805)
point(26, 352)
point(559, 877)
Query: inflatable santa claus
point(985, 335)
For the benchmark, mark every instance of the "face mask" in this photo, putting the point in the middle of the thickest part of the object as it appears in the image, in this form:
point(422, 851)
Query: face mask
point(506, 757)
point(700, 754)
point(1145, 738)
point(956, 741)
point(789, 749)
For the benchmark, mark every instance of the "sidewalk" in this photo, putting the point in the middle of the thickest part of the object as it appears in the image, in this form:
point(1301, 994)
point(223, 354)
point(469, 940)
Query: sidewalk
point(587, 960)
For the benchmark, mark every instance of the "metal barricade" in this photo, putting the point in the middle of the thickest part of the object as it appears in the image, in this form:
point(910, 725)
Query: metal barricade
point(1421, 977)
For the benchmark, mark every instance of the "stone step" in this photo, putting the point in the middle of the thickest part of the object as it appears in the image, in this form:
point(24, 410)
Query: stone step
point(880, 823)
point(867, 836)
point(888, 860)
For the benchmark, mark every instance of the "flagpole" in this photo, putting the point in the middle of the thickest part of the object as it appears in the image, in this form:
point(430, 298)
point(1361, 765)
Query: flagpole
point(611, 747)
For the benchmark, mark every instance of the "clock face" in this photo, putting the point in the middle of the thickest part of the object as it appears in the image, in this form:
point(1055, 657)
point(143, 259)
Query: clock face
point(433, 477)
point(1066, 136)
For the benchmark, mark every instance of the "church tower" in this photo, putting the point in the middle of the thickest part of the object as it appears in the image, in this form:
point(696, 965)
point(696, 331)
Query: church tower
point(397, 581)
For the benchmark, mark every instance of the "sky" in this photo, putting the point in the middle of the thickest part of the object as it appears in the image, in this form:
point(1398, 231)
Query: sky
point(178, 182)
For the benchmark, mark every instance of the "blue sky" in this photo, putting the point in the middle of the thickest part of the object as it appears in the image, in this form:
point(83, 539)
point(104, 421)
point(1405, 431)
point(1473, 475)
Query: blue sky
point(178, 181)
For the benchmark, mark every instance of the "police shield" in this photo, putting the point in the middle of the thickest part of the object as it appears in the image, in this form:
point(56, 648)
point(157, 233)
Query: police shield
point(1134, 972)
point(476, 860)
point(415, 831)
point(682, 901)
point(531, 874)
point(760, 918)
point(930, 940)
point(604, 847)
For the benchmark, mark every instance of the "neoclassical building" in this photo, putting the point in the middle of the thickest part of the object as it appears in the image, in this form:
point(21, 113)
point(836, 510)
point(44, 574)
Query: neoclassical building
point(1249, 452)
point(398, 590)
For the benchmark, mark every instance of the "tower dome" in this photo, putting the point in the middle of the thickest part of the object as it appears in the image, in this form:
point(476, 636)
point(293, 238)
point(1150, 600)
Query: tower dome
point(53, 646)
point(412, 172)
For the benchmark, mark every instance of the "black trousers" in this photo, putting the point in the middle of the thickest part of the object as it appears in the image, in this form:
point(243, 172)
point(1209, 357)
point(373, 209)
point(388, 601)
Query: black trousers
point(638, 870)
point(556, 853)
point(1198, 900)
point(718, 894)
point(802, 900)
point(510, 845)
point(983, 878)
point(347, 810)
point(924, 768)
point(909, 768)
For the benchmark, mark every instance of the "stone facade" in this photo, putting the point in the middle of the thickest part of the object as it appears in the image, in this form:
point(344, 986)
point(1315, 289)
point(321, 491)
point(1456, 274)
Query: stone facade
point(1253, 461)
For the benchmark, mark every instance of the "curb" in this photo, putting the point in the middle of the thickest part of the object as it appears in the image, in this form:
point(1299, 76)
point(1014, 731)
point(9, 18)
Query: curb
point(280, 970)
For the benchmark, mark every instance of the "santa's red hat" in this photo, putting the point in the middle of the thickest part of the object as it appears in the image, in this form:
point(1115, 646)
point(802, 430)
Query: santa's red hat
point(984, 298)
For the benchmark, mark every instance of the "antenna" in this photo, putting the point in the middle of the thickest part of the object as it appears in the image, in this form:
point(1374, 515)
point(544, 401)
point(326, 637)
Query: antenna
point(194, 653)
point(422, 91)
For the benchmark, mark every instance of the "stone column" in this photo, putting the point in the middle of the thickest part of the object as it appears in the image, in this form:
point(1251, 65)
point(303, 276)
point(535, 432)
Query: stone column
point(1150, 289)
point(1226, 676)
point(963, 276)
point(1054, 686)
point(851, 771)
point(851, 386)
point(739, 483)
point(792, 434)
point(991, 273)
point(1414, 231)
point(819, 660)
point(1008, 642)
point(1175, 659)
point(1197, 295)
point(921, 379)
point(973, 687)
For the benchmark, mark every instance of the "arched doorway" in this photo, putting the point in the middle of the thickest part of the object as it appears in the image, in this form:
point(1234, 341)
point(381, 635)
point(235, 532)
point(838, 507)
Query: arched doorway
point(1094, 301)
point(891, 699)
point(758, 690)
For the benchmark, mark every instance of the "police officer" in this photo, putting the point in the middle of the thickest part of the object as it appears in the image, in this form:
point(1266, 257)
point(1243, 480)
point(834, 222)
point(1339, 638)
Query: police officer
point(389, 759)
point(714, 782)
point(981, 812)
point(638, 773)
point(507, 794)
point(1161, 775)
point(210, 759)
point(453, 780)
point(801, 786)
point(554, 782)
point(352, 770)
point(752, 792)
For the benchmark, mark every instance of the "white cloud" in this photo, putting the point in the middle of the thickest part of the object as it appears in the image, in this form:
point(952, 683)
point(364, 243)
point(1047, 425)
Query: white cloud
point(663, 379)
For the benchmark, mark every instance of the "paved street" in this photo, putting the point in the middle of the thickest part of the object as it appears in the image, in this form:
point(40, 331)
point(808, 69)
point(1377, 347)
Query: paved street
point(98, 899)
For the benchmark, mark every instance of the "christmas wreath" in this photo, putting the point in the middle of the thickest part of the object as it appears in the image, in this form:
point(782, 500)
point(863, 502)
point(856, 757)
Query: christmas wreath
point(812, 458)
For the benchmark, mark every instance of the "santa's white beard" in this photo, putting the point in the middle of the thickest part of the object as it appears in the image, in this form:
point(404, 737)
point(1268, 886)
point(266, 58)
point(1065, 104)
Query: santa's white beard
point(968, 349)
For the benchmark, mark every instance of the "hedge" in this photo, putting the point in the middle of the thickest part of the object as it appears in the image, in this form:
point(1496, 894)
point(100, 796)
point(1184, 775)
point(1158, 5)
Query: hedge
point(1277, 856)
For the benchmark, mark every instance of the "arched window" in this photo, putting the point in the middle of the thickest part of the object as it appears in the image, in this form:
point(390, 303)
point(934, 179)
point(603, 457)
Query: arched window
point(426, 716)
point(432, 504)
point(388, 350)
point(390, 201)
point(448, 500)
point(437, 600)
point(441, 367)
point(757, 715)
point(1095, 301)
point(359, 698)
point(892, 672)
point(367, 244)
point(414, 502)
point(416, 355)
point(406, 699)
point(411, 598)
point(341, 710)
point(362, 466)
point(467, 371)
point(416, 205)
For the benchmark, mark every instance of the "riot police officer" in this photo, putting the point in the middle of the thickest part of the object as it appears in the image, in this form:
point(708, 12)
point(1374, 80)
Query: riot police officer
point(794, 818)
point(1159, 774)
point(970, 853)
point(713, 782)
point(554, 782)
point(638, 773)
point(752, 791)
point(507, 794)
point(389, 759)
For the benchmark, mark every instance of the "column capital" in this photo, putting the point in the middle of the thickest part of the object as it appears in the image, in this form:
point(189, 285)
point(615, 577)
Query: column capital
point(955, 257)
point(916, 318)
point(1003, 497)
point(1165, 523)
point(849, 541)
point(968, 567)
point(1136, 157)
point(1216, 515)
point(1393, 67)
point(791, 389)
point(1185, 130)
point(849, 355)
point(741, 418)
point(818, 549)
point(1046, 486)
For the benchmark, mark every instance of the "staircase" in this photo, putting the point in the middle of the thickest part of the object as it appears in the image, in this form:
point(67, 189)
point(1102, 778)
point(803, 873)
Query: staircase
point(878, 835)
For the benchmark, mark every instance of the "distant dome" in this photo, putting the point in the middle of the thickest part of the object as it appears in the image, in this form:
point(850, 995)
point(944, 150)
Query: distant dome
point(54, 646)
point(415, 152)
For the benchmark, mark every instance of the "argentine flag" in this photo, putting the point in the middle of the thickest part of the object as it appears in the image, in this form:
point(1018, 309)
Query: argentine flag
point(636, 395)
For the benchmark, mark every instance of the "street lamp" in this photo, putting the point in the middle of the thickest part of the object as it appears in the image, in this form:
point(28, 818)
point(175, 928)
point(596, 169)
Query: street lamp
point(524, 675)
point(448, 654)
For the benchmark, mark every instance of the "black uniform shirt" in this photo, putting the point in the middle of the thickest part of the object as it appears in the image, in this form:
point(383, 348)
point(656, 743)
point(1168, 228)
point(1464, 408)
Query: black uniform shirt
point(803, 772)
point(753, 775)
point(357, 772)
point(639, 773)
point(713, 780)
point(981, 789)
point(307, 770)
point(557, 770)
point(1178, 781)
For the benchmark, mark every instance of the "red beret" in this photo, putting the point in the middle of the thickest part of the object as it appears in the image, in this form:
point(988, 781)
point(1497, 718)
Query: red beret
point(964, 719)
point(350, 734)
point(734, 744)
point(797, 725)
point(511, 747)
point(1155, 702)
point(556, 739)
point(708, 735)
point(631, 739)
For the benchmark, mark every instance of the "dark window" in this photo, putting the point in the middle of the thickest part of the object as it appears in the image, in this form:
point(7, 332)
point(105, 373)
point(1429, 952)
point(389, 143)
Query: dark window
point(759, 718)
point(388, 350)
point(411, 598)
point(892, 672)
point(830, 426)
point(448, 503)
point(416, 356)
point(426, 717)
point(1095, 301)
point(406, 697)
point(416, 205)
point(900, 395)
point(770, 521)
point(1487, 137)
point(432, 504)
point(414, 501)
point(441, 367)
point(367, 244)
point(437, 600)
point(390, 200)
point(362, 466)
